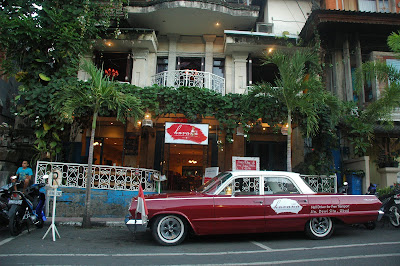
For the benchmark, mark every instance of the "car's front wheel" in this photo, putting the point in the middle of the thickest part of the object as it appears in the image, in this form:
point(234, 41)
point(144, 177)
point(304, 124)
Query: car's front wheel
point(169, 230)
point(319, 228)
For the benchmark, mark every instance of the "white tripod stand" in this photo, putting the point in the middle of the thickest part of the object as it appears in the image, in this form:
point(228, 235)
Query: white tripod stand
point(54, 179)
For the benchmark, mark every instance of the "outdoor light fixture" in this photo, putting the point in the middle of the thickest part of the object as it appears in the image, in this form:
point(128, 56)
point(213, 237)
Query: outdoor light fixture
point(192, 161)
point(284, 129)
point(147, 122)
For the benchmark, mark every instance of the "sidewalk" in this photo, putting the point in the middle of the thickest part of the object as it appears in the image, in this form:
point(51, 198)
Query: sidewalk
point(77, 221)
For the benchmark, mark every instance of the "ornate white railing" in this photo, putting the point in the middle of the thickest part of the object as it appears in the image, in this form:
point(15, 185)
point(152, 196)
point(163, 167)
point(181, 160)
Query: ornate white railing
point(190, 78)
point(322, 183)
point(104, 177)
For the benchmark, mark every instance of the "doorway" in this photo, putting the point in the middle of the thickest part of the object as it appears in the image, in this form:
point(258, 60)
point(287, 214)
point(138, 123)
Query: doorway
point(185, 169)
point(191, 63)
point(272, 154)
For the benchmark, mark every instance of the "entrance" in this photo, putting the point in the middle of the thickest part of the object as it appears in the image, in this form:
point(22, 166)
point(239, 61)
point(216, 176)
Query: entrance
point(185, 169)
point(272, 154)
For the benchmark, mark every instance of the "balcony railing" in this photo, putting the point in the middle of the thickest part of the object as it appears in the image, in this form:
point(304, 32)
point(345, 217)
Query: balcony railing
point(190, 78)
point(103, 176)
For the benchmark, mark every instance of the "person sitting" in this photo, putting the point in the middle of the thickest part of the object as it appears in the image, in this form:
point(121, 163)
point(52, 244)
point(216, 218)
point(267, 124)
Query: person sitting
point(24, 174)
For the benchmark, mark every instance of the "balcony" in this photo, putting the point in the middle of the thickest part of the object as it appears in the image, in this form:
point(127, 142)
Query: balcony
point(190, 78)
point(195, 17)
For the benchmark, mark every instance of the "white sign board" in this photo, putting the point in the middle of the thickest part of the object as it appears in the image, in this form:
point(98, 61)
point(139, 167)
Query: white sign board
point(184, 133)
point(245, 163)
point(210, 173)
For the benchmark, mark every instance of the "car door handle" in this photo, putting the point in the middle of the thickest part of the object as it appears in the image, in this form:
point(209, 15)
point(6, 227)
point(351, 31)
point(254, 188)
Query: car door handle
point(304, 200)
point(259, 201)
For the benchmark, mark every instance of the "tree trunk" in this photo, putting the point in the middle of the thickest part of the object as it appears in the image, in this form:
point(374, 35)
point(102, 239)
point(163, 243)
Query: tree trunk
point(86, 223)
point(289, 143)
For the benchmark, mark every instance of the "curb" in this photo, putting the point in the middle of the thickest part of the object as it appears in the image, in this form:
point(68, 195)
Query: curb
point(78, 222)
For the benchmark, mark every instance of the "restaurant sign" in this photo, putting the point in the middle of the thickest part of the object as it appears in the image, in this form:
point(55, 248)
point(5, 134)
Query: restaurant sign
point(184, 133)
point(245, 163)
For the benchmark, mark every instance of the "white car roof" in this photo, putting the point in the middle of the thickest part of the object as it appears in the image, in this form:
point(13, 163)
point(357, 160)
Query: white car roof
point(300, 182)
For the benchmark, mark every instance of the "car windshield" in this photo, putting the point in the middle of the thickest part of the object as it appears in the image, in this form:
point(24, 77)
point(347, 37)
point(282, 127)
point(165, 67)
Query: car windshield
point(212, 185)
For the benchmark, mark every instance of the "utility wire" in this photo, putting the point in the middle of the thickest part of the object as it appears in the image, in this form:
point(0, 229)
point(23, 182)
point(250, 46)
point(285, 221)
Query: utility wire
point(292, 14)
point(301, 9)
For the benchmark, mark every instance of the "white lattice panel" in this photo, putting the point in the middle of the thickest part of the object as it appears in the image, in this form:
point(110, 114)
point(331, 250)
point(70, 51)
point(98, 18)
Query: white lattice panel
point(103, 176)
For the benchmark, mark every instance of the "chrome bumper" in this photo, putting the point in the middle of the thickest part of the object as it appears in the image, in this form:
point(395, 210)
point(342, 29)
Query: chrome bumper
point(380, 215)
point(135, 225)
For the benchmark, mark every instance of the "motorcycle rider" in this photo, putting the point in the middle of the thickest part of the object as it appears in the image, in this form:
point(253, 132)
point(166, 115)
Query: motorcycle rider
point(24, 174)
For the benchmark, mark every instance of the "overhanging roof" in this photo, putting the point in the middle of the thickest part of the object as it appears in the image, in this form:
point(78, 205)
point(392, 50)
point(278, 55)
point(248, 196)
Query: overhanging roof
point(328, 21)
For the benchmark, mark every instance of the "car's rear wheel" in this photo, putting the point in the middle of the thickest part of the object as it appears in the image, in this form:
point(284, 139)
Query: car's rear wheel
point(169, 230)
point(394, 216)
point(319, 228)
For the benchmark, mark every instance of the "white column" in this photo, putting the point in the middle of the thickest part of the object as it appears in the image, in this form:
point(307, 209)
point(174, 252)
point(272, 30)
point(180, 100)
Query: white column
point(240, 72)
point(209, 51)
point(229, 74)
point(173, 40)
point(209, 59)
point(139, 67)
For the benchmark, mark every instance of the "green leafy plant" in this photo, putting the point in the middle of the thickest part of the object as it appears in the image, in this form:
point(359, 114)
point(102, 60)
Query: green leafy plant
point(100, 94)
point(298, 87)
point(43, 42)
point(359, 120)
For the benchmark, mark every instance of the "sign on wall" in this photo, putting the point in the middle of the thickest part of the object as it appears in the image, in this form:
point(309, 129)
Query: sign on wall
point(245, 163)
point(184, 133)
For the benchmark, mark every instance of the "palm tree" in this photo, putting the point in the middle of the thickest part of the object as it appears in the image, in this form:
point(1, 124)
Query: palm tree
point(101, 94)
point(297, 86)
point(362, 119)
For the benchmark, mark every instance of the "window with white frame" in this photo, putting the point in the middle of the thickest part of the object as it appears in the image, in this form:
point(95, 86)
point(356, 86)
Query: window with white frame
point(374, 6)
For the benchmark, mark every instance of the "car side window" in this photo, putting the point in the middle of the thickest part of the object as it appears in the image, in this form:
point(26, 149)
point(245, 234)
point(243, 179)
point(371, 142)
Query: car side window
point(279, 185)
point(243, 186)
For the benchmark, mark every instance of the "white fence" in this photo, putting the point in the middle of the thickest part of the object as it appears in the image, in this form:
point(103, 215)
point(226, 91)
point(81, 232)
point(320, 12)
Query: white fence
point(190, 78)
point(322, 183)
point(103, 176)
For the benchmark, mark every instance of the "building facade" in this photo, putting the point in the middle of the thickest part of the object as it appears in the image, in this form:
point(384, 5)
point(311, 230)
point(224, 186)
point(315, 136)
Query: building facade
point(219, 45)
point(216, 45)
point(353, 32)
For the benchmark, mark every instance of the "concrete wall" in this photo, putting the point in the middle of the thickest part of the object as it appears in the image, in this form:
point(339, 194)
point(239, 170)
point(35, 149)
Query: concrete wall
point(105, 203)
point(289, 15)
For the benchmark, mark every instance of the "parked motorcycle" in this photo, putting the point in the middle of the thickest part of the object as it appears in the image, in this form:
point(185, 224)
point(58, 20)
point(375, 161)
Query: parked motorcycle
point(26, 208)
point(5, 193)
point(391, 207)
point(344, 189)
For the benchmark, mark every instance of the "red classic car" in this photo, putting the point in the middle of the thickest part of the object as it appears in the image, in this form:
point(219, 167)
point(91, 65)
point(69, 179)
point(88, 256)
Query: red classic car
point(251, 202)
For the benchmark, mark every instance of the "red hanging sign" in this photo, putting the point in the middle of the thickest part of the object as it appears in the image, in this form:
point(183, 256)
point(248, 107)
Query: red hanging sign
point(184, 133)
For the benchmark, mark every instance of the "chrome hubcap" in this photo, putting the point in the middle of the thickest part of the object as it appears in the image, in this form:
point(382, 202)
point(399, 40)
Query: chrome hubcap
point(170, 228)
point(320, 225)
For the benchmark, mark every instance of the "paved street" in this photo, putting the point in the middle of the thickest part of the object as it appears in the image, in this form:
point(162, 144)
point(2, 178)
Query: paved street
point(116, 246)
